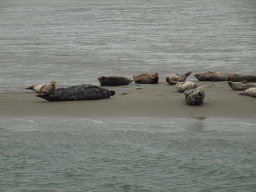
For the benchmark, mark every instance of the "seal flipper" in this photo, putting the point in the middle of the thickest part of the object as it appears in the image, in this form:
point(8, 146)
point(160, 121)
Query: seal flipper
point(242, 93)
point(41, 90)
point(31, 87)
point(188, 73)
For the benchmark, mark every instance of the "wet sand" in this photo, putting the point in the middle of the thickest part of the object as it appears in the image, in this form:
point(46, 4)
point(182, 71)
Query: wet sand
point(136, 100)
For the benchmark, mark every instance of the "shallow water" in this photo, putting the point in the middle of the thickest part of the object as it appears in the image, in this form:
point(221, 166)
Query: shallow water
point(74, 42)
point(129, 154)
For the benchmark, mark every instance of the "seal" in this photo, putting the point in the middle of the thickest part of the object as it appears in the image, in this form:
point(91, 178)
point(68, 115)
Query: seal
point(239, 78)
point(43, 88)
point(114, 81)
point(240, 86)
point(183, 86)
point(146, 78)
point(251, 92)
point(78, 92)
point(213, 76)
point(194, 96)
point(174, 78)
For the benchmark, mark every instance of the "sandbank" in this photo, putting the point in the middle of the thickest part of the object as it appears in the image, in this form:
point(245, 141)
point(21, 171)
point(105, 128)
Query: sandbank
point(136, 100)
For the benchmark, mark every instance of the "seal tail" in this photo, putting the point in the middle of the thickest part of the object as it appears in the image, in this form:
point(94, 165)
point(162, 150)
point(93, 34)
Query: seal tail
point(31, 87)
point(242, 93)
point(188, 73)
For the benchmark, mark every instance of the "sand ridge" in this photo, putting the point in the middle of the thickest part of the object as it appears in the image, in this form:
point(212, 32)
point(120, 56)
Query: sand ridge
point(136, 100)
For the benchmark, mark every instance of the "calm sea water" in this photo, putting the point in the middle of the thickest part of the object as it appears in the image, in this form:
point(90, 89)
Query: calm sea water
point(145, 154)
point(74, 42)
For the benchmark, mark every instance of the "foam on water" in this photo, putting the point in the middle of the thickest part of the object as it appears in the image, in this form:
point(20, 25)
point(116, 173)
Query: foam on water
point(142, 124)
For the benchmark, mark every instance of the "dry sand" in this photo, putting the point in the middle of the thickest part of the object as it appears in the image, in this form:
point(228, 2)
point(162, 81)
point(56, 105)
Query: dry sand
point(136, 100)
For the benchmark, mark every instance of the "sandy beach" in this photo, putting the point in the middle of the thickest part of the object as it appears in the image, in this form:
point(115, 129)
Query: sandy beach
point(136, 100)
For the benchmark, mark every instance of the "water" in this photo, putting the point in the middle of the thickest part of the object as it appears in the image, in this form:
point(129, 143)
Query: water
point(143, 154)
point(74, 42)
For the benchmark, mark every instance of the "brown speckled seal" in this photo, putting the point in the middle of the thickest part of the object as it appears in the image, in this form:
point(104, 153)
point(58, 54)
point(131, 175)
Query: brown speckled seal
point(195, 96)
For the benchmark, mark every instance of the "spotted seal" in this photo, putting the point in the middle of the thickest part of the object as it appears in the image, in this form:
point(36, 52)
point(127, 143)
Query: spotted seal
point(194, 96)
point(146, 78)
point(240, 86)
point(183, 86)
point(213, 76)
point(114, 81)
point(251, 92)
point(239, 78)
point(43, 88)
point(174, 78)
point(78, 92)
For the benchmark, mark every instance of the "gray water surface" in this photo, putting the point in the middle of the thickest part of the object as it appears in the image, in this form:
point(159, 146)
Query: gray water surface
point(134, 154)
point(74, 42)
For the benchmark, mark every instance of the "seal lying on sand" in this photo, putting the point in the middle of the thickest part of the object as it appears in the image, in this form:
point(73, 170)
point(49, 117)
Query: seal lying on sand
point(239, 78)
point(43, 88)
point(213, 76)
point(146, 78)
point(240, 85)
point(194, 96)
point(183, 86)
point(174, 78)
point(251, 92)
point(114, 81)
point(79, 92)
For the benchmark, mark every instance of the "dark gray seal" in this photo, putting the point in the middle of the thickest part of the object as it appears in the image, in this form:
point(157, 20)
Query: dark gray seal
point(114, 81)
point(78, 92)
point(195, 96)
point(239, 78)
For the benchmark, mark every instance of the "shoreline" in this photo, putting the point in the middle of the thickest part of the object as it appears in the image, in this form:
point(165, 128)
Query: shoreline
point(136, 100)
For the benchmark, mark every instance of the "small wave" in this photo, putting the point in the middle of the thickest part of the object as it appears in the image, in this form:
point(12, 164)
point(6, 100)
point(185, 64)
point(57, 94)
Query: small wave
point(25, 120)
